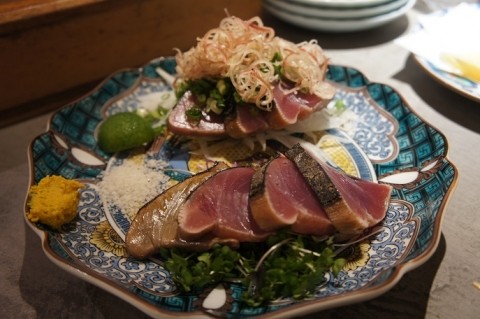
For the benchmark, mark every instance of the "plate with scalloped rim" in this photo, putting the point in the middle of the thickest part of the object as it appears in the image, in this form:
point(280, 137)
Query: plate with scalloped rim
point(394, 146)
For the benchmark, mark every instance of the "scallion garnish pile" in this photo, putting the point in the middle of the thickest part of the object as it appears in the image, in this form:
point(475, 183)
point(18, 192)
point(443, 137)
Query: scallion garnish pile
point(217, 96)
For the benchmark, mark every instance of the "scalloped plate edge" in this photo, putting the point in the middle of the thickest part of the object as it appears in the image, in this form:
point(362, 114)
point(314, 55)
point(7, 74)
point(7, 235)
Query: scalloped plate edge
point(302, 308)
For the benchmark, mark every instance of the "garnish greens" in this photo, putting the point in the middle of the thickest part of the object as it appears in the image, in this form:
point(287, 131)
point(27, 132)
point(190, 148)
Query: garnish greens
point(156, 115)
point(216, 95)
point(194, 114)
point(340, 106)
point(294, 269)
point(276, 60)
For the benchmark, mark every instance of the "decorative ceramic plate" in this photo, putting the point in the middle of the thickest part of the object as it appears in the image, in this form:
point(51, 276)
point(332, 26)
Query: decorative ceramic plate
point(342, 3)
point(459, 84)
point(390, 144)
point(336, 24)
point(328, 13)
point(432, 62)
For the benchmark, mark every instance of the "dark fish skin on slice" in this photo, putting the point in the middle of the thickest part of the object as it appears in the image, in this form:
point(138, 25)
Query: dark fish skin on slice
point(280, 197)
point(351, 204)
point(155, 224)
point(315, 175)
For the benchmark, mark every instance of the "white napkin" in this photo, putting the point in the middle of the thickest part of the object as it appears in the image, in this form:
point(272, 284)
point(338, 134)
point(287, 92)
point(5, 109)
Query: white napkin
point(449, 39)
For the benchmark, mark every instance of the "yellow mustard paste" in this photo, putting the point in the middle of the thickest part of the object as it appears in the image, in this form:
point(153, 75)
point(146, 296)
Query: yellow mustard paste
point(53, 201)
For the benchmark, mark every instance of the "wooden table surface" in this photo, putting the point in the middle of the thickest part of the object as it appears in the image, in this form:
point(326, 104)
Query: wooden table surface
point(51, 50)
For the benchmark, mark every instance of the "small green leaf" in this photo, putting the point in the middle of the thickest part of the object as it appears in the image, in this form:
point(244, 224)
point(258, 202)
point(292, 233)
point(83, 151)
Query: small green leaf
point(194, 114)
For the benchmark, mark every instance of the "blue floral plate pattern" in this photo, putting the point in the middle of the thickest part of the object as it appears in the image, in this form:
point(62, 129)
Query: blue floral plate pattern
point(403, 151)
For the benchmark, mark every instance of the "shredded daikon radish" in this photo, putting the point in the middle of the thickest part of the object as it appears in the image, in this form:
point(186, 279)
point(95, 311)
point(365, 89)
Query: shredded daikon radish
point(244, 52)
point(324, 120)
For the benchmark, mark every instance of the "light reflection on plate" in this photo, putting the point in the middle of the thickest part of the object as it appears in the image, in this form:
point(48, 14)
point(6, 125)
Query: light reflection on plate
point(91, 249)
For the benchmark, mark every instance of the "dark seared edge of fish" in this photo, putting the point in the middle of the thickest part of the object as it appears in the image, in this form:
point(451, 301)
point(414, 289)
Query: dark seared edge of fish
point(315, 175)
point(257, 186)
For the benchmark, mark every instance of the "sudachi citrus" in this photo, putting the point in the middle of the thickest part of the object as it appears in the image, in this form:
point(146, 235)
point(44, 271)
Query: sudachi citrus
point(123, 131)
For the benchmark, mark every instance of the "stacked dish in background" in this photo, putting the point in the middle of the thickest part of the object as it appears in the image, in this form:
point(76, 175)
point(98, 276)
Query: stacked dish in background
point(338, 15)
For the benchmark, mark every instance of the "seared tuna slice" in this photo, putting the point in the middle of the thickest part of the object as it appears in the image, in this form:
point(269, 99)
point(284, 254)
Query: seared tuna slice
point(291, 106)
point(155, 224)
point(351, 204)
point(280, 196)
point(246, 120)
point(178, 122)
point(219, 208)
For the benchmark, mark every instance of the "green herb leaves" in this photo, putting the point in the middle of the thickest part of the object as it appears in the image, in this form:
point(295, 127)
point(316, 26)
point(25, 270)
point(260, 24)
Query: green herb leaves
point(276, 60)
point(293, 269)
point(194, 114)
point(197, 270)
point(217, 96)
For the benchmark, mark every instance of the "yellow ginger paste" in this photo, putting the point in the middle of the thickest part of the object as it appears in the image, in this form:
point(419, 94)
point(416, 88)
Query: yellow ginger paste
point(54, 201)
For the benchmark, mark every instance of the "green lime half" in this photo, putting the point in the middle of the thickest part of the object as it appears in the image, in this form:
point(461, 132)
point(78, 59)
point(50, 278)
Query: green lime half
point(123, 131)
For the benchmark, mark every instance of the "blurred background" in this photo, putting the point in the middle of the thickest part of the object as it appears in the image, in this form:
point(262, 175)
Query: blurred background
point(52, 51)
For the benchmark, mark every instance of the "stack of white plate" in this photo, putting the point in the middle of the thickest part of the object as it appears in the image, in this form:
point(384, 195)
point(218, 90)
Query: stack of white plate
point(338, 15)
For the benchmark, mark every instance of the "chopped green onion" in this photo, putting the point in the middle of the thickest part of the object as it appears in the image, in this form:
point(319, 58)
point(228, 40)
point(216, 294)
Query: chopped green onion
point(162, 111)
point(276, 60)
point(340, 106)
point(222, 87)
point(237, 97)
point(214, 106)
point(194, 114)
point(277, 57)
point(201, 98)
point(180, 88)
point(215, 94)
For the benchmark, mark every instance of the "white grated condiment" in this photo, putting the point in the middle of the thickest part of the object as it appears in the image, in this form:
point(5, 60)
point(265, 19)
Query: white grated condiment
point(132, 184)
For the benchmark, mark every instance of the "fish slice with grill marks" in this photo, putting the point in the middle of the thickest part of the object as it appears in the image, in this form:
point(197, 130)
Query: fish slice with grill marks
point(351, 204)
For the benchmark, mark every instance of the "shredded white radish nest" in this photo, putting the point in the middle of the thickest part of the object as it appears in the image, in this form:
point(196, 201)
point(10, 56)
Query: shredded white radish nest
point(243, 52)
